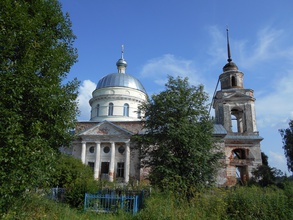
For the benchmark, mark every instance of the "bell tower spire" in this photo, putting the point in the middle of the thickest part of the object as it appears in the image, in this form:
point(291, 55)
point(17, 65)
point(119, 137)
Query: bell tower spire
point(228, 46)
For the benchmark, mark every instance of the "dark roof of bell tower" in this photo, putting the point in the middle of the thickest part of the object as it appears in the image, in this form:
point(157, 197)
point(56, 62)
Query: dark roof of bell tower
point(230, 65)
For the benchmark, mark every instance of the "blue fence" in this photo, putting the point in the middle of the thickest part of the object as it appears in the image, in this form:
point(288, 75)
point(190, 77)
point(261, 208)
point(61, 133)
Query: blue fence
point(111, 201)
point(57, 194)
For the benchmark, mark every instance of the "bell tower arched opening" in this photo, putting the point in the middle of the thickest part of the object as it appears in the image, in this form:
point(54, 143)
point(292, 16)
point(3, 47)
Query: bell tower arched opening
point(233, 81)
point(237, 120)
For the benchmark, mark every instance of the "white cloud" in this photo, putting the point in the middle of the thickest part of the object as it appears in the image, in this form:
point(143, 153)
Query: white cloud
point(265, 47)
point(278, 160)
point(275, 107)
point(85, 94)
point(217, 48)
point(158, 68)
point(270, 45)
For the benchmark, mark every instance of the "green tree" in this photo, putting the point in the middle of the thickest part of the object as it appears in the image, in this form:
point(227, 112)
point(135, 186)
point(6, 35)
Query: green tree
point(177, 144)
point(265, 175)
point(37, 105)
point(70, 173)
point(287, 135)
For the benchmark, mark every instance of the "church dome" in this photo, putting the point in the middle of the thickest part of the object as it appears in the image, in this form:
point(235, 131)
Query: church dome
point(121, 62)
point(230, 66)
point(120, 80)
point(118, 96)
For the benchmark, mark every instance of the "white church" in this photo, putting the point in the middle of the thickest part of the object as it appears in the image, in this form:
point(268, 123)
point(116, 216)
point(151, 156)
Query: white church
point(104, 142)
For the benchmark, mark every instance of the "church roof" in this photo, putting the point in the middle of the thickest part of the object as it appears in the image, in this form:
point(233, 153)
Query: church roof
point(219, 130)
point(120, 80)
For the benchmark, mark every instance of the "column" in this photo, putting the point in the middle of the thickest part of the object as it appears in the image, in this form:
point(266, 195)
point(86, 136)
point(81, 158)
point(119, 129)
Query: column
point(112, 162)
point(83, 151)
point(127, 162)
point(97, 161)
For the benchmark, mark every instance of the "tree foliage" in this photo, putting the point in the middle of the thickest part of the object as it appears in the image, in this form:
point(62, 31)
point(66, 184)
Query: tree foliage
point(77, 178)
point(287, 135)
point(36, 107)
point(265, 175)
point(177, 144)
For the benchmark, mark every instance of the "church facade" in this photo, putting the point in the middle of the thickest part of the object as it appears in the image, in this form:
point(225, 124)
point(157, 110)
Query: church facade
point(104, 142)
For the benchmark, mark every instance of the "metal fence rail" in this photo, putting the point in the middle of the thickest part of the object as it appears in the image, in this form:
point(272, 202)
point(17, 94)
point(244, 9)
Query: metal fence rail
point(57, 194)
point(111, 202)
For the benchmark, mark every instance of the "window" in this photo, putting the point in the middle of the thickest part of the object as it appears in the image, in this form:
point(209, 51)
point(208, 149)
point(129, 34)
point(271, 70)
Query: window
point(121, 149)
point(91, 165)
point(234, 82)
point(106, 150)
point(110, 110)
point(92, 149)
point(98, 109)
point(120, 169)
point(237, 121)
point(239, 154)
point(234, 124)
point(105, 167)
point(126, 110)
point(138, 113)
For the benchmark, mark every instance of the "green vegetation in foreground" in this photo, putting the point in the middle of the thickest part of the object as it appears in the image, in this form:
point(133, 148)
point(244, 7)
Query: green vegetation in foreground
point(235, 203)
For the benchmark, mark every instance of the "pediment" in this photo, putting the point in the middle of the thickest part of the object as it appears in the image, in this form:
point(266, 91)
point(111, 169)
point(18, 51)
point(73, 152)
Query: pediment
point(106, 128)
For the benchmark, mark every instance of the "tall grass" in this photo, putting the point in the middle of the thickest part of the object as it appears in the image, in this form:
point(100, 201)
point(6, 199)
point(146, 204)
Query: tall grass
point(235, 203)
point(36, 207)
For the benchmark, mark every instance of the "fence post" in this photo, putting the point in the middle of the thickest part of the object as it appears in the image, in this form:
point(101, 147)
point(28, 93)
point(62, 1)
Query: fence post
point(122, 202)
point(85, 201)
point(135, 204)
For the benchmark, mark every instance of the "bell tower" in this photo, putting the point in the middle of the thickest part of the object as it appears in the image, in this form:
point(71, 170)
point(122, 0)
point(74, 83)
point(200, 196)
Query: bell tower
point(235, 110)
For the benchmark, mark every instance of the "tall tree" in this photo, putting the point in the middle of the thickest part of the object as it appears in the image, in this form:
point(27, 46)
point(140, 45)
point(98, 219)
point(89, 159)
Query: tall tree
point(37, 105)
point(177, 144)
point(287, 135)
point(265, 175)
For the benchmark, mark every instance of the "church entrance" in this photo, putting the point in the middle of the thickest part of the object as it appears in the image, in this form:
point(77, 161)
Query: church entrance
point(105, 170)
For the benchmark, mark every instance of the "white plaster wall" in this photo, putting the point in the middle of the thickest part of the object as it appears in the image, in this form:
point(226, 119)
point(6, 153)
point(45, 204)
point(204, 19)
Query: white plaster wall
point(118, 96)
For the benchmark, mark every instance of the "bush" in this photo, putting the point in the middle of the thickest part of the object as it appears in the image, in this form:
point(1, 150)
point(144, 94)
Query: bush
point(76, 178)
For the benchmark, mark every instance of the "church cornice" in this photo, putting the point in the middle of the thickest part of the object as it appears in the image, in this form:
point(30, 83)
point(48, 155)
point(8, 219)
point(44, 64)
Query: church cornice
point(116, 97)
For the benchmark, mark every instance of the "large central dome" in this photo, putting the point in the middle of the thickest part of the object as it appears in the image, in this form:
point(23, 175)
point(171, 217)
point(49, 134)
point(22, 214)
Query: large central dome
point(118, 96)
point(120, 80)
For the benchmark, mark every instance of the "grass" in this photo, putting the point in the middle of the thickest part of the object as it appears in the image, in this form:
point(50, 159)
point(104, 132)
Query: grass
point(236, 203)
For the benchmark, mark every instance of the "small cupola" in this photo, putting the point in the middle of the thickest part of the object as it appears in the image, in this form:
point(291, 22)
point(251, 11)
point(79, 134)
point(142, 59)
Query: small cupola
point(121, 63)
point(231, 76)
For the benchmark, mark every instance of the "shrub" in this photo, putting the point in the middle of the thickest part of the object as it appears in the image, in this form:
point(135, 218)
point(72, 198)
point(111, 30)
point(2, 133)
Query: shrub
point(76, 178)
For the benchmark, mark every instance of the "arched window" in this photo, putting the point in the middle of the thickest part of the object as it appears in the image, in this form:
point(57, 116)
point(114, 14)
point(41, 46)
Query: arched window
point(237, 121)
point(234, 82)
point(98, 109)
point(126, 110)
point(239, 154)
point(138, 113)
point(111, 108)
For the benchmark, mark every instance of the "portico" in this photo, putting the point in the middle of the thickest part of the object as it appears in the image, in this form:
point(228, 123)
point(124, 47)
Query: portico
point(113, 157)
point(108, 152)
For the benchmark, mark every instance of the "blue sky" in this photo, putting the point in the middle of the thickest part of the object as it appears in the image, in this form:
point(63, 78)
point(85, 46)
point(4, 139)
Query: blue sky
point(188, 38)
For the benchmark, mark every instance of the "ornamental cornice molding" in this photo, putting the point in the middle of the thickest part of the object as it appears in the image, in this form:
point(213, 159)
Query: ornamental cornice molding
point(117, 97)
